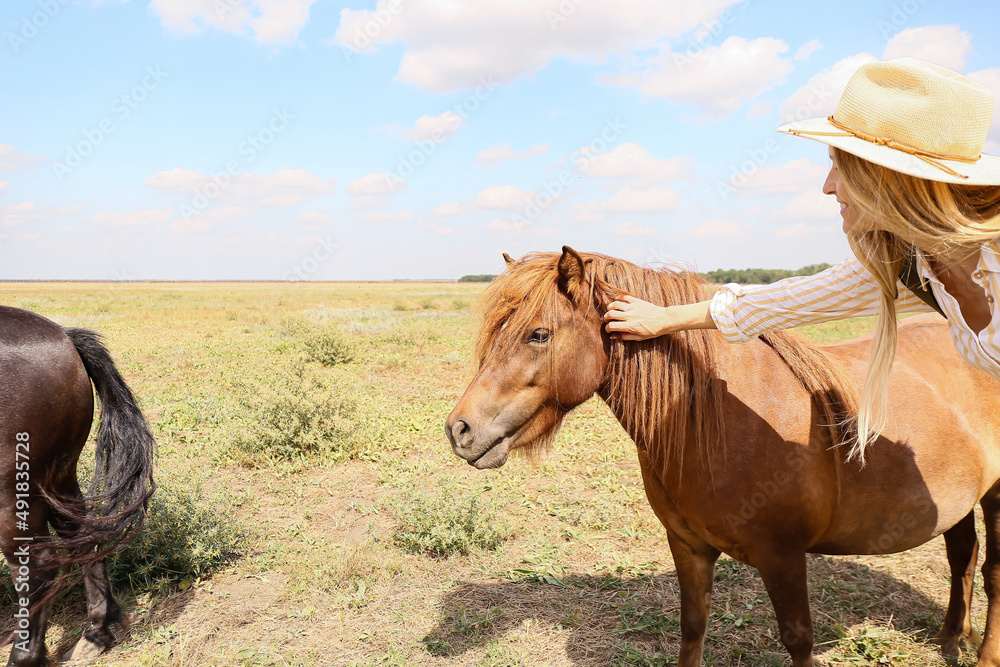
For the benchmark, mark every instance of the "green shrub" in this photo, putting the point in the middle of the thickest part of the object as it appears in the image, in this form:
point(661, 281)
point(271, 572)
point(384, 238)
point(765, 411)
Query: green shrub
point(448, 522)
point(329, 346)
point(296, 415)
point(324, 343)
point(188, 532)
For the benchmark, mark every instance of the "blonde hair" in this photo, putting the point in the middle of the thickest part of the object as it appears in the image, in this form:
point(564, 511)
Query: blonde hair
point(903, 210)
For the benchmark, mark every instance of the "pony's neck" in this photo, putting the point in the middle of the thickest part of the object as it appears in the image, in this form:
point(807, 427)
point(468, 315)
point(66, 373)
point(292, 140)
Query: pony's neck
point(662, 389)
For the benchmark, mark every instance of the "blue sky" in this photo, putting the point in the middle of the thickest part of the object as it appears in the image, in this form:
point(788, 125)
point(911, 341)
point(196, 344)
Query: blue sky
point(306, 139)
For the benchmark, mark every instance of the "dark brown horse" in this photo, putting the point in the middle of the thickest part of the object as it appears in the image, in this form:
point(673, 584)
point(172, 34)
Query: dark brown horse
point(735, 442)
point(46, 411)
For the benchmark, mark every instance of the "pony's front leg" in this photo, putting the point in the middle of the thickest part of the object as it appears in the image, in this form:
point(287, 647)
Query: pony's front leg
point(695, 571)
point(785, 578)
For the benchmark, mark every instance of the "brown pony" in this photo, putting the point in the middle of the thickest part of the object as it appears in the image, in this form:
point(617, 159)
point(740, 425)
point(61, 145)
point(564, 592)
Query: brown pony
point(736, 443)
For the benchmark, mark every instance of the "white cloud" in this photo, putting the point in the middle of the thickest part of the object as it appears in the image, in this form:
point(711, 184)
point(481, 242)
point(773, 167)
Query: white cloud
point(283, 188)
point(376, 183)
point(814, 205)
point(193, 224)
point(630, 200)
point(819, 96)
point(795, 231)
point(12, 159)
point(807, 50)
point(718, 80)
point(453, 45)
point(494, 155)
point(991, 79)
point(945, 45)
point(630, 160)
point(646, 200)
point(430, 128)
point(503, 197)
point(632, 229)
point(68, 210)
point(17, 214)
point(402, 216)
point(175, 180)
point(512, 225)
point(272, 22)
point(4, 186)
point(453, 208)
point(720, 229)
point(147, 216)
point(811, 206)
point(496, 197)
point(316, 219)
point(758, 110)
point(794, 177)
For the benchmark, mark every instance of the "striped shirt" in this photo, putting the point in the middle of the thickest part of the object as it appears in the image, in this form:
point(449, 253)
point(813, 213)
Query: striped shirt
point(848, 290)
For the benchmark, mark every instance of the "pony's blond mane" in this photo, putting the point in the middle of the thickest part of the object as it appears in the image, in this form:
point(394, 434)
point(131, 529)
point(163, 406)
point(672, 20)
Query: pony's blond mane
point(665, 390)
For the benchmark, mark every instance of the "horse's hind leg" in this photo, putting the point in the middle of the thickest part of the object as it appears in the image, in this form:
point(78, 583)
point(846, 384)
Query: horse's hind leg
point(32, 584)
point(696, 573)
point(103, 612)
point(962, 545)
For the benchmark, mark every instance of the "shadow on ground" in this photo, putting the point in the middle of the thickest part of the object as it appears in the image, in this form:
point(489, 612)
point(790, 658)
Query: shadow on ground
point(635, 621)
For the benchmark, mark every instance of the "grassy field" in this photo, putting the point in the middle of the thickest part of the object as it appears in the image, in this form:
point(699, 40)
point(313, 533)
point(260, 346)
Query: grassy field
point(355, 537)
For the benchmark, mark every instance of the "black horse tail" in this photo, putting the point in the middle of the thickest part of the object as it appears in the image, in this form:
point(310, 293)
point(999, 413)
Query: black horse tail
point(115, 504)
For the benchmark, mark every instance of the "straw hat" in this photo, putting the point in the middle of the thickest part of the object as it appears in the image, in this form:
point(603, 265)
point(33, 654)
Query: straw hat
point(912, 116)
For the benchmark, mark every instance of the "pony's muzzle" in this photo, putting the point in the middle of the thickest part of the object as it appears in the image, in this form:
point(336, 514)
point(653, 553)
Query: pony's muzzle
point(478, 451)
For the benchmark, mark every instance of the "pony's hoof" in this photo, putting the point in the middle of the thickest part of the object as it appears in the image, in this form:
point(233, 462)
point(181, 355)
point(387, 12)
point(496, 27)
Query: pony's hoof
point(83, 652)
point(953, 648)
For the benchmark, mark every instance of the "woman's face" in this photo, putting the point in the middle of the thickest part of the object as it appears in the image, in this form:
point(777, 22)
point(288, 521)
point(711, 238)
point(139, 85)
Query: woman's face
point(849, 213)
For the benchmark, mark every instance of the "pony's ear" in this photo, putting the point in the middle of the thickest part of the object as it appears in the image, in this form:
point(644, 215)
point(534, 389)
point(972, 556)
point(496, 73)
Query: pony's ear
point(571, 273)
point(508, 259)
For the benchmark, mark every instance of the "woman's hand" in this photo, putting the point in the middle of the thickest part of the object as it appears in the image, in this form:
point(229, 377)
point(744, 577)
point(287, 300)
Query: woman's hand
point(635, 319)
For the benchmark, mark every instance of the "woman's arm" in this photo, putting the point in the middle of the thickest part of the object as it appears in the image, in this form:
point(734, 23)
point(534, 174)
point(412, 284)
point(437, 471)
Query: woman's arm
point(636, 319)
point(744, 312)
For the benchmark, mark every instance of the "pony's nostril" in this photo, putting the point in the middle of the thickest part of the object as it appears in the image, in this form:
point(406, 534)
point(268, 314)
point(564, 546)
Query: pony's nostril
point(460, 432)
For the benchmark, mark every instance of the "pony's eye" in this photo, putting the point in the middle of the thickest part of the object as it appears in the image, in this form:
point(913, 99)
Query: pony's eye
point(540, 336)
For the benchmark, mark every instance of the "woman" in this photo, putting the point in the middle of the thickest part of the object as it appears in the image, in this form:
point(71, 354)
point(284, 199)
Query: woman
point(908, 170)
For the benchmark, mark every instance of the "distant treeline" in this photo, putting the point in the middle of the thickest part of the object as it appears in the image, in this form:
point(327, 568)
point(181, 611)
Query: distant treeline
point(761, 276)
point(744, 276)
